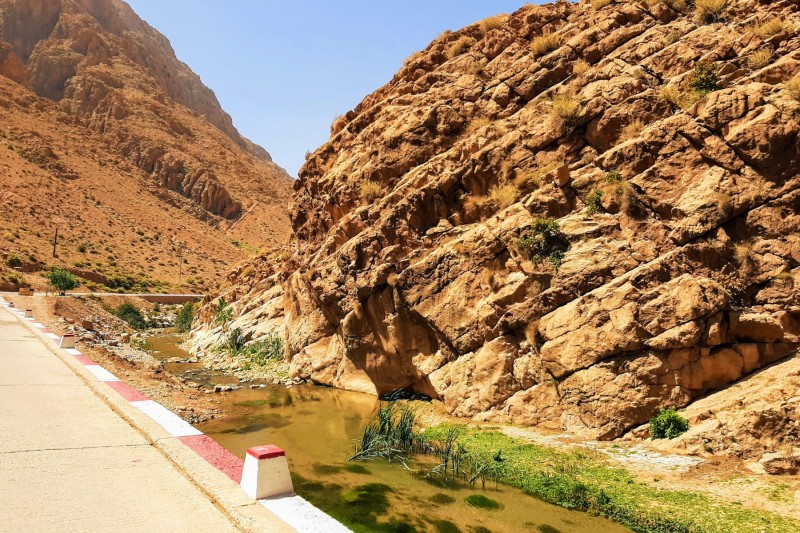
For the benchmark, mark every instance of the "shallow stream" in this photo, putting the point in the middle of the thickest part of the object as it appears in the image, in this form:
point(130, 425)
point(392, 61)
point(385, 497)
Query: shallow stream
point(318, 427)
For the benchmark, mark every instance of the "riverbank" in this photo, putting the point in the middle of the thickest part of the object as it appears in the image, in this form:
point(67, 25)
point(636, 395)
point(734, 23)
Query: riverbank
point(588, 479)
point(627, 480)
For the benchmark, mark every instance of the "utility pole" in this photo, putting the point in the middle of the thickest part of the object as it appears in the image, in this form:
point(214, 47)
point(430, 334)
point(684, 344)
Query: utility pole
point(55, 242)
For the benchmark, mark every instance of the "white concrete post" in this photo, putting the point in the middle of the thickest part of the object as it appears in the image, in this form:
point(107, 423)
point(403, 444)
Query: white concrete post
point(29, 313)
point(266, 473)
point(67, 341)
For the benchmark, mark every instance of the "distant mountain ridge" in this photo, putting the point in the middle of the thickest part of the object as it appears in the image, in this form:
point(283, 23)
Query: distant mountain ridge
point(93, 97)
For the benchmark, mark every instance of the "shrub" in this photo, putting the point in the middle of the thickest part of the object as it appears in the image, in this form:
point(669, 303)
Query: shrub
point(770, 28)
point(580, 67)
point(185, 317)
point(266, 349)
point(492, 23)
point(614, 176)
point(566, 108)
point(223, 314)
point(678, 97)
point(62, 280)
point(236, 340)
point(704, 79)
point(461, 45)
point(545, 44)
point(631, 130)
point(594, 202)
point(370, 191)
point(545, 242)
point(759, 59)
point(502, 197)
point(130, 314)
point(13, 261)
point(793, 88)
point(708, 11)
point(668, 424)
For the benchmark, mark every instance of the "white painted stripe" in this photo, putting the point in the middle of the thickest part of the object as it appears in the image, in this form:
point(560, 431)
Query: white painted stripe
point(72, 351)
point(101, 373)
point(39, 325)
point(52, 336)
point(303, 516)
point(175, 425)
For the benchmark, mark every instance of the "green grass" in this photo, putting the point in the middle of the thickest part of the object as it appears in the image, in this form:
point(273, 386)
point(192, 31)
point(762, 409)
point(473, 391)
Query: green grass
point(585, 480)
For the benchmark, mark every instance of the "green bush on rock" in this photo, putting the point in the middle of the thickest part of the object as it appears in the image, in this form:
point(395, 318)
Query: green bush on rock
point(668, 424)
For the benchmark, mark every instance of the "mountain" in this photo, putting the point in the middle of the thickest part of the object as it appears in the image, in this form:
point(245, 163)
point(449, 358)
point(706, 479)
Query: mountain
point(111, 139)
point(568, 217)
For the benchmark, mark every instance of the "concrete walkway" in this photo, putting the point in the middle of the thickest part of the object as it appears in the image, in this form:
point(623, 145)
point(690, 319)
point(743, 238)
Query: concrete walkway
point(68, 462)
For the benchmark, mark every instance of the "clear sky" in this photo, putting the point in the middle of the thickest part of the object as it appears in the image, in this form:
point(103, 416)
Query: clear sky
point(284, 69)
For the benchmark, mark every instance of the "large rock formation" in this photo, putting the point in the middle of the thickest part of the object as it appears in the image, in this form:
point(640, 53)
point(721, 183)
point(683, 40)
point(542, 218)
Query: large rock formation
point(94, 101)
point(426, 258)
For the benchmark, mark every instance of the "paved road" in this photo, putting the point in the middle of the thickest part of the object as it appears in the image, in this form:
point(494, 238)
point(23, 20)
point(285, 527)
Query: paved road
point(69, 463)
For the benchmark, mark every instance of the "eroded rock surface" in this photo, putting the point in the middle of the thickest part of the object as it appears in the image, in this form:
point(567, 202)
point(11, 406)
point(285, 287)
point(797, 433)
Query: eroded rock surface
point(681, 276)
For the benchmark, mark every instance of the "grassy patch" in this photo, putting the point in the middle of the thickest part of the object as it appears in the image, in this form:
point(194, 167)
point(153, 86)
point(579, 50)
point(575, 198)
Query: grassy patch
point(544, 44)
point(583, 479)
point(793, 88)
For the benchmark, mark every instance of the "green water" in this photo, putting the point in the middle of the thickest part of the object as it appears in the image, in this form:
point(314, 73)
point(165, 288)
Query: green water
point(318, 428)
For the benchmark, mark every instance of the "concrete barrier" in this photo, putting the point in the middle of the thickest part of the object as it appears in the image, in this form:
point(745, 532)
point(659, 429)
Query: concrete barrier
point(266, 473)
point(67, 342)
point(29, 313)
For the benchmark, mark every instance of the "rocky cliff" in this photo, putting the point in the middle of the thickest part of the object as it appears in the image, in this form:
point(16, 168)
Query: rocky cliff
point(567, 217)
point(95, 103)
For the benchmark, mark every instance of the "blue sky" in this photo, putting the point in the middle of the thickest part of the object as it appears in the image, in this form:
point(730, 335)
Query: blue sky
point(285, 69)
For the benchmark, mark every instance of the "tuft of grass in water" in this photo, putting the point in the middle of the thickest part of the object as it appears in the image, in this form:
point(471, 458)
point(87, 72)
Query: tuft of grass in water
point(583, 480)
point(482, 502)
point(442, 499)
point(357, 469)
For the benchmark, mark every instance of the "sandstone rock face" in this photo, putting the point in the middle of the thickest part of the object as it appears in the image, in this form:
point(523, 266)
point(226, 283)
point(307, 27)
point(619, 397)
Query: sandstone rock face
point(682, 270)
point(92, 95)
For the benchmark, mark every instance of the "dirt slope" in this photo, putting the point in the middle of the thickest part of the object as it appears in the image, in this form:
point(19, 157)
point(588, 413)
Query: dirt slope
point(110, 138)
point(567, 217)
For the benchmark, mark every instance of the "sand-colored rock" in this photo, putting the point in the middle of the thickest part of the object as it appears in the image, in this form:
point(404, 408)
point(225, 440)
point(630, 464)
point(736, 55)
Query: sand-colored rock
point(681, 280)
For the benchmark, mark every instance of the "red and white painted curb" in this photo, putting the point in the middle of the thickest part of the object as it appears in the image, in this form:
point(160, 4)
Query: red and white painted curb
point(292, 509)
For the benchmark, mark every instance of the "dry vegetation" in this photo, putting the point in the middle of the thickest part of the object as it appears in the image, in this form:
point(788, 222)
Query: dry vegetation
point(769, 28)
point(461, 45)
point(503, 196)
point(492, 23)
point(759, 59)
point(631, 130)
point(566, 108)
point(478, 123)
point(708, 11)
point(580, 67)
point(545, 44)
point(370, 191)
point(678, 96)
point(793, 88)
